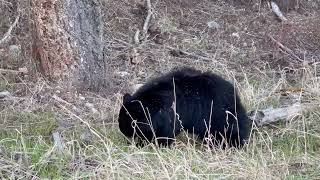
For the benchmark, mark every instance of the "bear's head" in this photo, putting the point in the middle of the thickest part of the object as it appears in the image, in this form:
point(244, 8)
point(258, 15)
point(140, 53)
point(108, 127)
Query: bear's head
point(133, 118)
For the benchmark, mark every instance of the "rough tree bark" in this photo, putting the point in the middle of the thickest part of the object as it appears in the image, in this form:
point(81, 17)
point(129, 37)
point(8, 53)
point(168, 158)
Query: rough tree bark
point(68, 42)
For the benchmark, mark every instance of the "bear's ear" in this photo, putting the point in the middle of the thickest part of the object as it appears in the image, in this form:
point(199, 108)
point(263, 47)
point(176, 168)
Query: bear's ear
point(126, 98)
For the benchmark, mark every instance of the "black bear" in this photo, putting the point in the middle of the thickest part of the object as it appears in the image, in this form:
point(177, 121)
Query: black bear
point(186, 99)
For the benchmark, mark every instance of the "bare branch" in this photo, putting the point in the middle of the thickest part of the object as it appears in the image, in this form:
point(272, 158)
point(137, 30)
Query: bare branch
point(148, 18)
point(136, 37)
point(272, 115)
point(20, 70)
point(207, 59)
point(276, 10)
point(286, 49)
point(8, 33)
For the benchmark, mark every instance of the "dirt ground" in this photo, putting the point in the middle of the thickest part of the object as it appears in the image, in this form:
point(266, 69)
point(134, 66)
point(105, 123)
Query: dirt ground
point(179, 34)
point(240, 40)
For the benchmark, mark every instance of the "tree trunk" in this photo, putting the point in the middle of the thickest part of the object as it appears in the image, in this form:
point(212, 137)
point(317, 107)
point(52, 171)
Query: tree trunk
point(68, 44)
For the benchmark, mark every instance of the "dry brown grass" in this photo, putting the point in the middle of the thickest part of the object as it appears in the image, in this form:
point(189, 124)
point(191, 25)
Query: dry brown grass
point(94, 147)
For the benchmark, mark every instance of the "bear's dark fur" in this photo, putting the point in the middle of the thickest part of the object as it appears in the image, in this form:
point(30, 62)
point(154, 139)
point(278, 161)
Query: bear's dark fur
point(206, 104)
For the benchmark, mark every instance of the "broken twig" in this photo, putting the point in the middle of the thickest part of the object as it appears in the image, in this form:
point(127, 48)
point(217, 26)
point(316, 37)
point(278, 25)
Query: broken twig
point(276, 10)
point(148, 18)
point(207, 59)
point(20, 70)
point(8, 33)
point(136, 37)
point(286, 49)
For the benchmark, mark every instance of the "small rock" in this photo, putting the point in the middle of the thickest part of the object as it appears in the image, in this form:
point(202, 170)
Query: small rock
point(4, 94)
point(235, 35)
point(89, 105)
point(123, 73)
point(94, 110)
point(76, 109)
point(86, 137)
point(82, 98)
point(23, 70)
point(58, 142)
point(213, 25)
point(14, 50)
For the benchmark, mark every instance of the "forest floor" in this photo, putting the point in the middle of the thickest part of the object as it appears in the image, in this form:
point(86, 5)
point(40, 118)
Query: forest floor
point(47, 131)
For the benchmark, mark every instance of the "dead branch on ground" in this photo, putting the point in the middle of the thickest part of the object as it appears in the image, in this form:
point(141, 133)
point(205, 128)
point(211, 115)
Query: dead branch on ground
point(148, 18)
point(206, 59)
point(286, 49)
point(276, 10)
point(19, 71)
point(273, 115)
point(7, 35)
